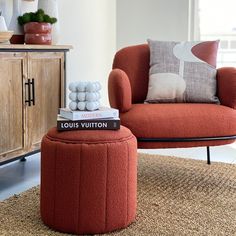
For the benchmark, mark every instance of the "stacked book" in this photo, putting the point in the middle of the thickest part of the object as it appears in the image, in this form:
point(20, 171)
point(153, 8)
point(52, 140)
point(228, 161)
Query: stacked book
point(105, 118)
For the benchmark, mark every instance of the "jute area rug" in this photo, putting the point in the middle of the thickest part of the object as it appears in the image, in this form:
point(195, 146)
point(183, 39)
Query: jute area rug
point(175, 197)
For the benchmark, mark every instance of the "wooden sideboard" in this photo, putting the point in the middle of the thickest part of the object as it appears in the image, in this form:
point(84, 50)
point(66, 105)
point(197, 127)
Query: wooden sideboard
point(32, 88)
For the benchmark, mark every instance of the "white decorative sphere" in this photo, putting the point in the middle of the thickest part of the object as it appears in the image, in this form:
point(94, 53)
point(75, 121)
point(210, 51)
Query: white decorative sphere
point(73, 106)
point(81, 106)
point(81, 96)
point(91, 87)
point(98, 96)
point(73, 86)
point(97, 104)
point(98, 86)
point(81, 86)
point(73, 96)
point(91, 106)
point(92, 96)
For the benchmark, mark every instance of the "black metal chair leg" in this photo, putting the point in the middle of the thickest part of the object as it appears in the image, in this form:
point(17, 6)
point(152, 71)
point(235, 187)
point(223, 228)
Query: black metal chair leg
point(23, 159)
point(208, 156)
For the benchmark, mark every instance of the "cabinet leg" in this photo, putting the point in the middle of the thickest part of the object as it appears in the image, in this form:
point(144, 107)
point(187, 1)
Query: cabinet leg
point(23, 159)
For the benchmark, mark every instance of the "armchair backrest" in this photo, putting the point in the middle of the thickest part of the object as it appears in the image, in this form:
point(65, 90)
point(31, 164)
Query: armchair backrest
point(134, 61)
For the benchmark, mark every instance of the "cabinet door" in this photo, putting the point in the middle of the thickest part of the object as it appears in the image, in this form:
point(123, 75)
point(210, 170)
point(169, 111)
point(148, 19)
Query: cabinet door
point(12, 66)
point(47, 70)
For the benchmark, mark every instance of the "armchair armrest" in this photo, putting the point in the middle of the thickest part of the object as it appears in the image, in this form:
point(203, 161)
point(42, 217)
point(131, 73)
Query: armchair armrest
point(119, 90)
point(226, 80)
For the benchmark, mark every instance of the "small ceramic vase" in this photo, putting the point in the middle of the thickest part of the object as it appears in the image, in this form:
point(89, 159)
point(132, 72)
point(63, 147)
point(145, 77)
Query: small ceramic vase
point(3, 26)
point(50, 7)
point(28, 6)
point(3, 9)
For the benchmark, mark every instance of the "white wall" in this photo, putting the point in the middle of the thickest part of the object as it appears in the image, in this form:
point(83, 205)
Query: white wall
point(97, 28)
point(90, 27)
point(138, 20)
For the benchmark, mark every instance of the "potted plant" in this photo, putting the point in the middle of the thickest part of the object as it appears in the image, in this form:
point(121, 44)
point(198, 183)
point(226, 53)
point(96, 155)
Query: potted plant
point(37, 27)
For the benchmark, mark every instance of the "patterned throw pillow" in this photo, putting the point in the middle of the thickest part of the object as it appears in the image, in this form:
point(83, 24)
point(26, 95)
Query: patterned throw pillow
point(182, 72)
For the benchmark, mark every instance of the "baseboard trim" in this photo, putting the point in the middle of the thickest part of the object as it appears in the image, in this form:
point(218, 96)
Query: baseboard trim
point(18, 157)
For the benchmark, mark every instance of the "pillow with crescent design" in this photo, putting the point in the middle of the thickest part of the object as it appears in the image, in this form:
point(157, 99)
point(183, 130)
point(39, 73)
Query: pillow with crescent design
point(182, 72)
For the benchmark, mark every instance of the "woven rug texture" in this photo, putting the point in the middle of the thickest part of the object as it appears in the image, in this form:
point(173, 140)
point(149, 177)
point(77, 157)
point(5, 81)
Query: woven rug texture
point(176, 196)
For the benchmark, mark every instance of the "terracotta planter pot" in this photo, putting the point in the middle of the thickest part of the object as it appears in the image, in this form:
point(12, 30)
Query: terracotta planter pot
point(38, 39)
point(38, 33)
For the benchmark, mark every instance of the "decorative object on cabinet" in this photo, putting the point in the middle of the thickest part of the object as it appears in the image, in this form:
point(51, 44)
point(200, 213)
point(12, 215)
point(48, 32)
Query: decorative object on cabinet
point(32, 88)
point(28, 6)
point(4, 10)
point(38, 33)
point(37, 27)
point(51, 8)
point(18, 36)
point(3, 26)
point(5, 36)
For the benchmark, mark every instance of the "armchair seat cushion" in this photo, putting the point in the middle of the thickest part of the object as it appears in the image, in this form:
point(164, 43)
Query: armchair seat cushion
point(180, 120)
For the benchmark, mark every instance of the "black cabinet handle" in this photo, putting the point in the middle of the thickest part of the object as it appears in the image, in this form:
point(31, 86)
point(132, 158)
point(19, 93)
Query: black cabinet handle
point(33, 92)
point(29, 86)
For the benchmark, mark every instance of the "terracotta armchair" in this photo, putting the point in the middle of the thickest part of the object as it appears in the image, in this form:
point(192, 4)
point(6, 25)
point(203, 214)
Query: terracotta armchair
point(170, 125)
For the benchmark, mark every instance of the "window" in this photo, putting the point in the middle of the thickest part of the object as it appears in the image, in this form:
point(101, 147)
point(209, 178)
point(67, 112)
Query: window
point(217, 20)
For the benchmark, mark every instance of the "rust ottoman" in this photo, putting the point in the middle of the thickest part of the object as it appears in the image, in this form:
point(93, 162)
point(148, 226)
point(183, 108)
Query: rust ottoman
point(88, 180)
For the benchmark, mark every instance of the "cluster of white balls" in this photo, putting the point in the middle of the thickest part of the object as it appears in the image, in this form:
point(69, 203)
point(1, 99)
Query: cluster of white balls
point(84, 96)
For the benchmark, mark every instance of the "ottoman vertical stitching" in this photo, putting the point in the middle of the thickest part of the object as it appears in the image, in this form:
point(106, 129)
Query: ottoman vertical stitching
point(54, 187)
point(80, 168)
